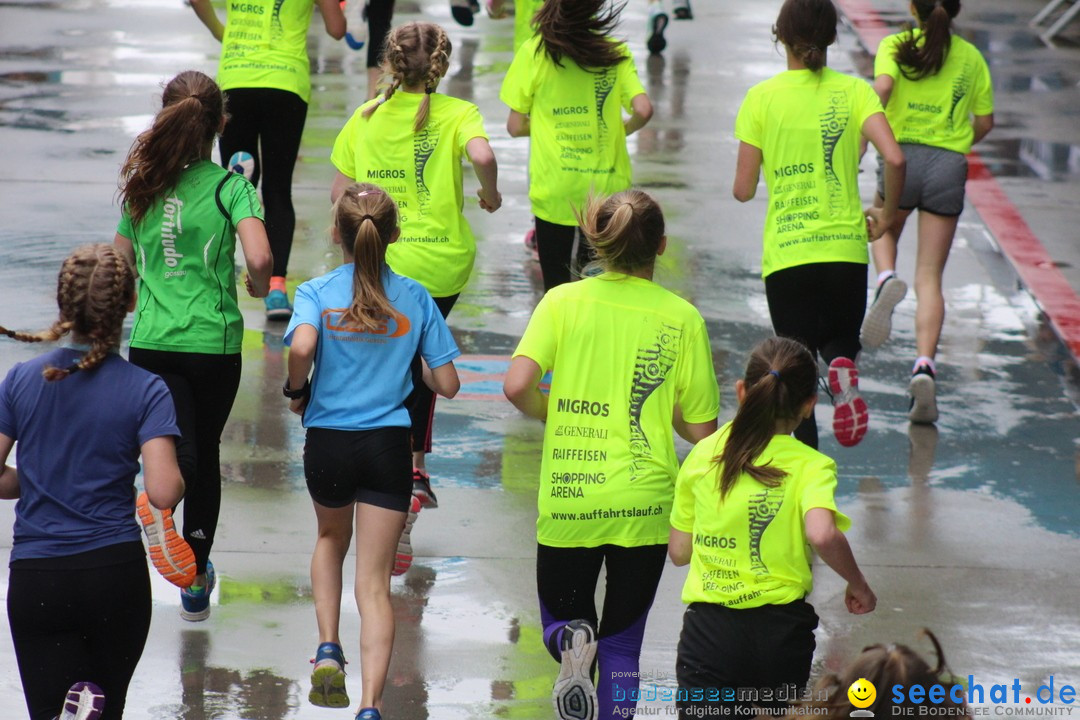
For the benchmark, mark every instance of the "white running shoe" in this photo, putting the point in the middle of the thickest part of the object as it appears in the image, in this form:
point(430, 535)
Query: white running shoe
point(923, 396)
point(574, 695)
point(877, 325)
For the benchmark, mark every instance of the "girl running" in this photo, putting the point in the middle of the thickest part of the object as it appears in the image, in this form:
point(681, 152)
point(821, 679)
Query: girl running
point(264, 71)
point(748, 501)
point(803, 126)
point(181, 216)
point(412, 140)
point(557, 89)
point(78, 597)
point(938, 97)
point(359, 327)
point(630, 360)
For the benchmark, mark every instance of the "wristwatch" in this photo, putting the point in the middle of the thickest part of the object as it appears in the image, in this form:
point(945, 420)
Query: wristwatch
point(294, 394)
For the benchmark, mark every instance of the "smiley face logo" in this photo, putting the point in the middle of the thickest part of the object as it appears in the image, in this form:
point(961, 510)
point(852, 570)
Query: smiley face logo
point(862, 693)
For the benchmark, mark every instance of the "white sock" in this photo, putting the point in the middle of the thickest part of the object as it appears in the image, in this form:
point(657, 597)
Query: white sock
point(885, 275)
point(923, 360)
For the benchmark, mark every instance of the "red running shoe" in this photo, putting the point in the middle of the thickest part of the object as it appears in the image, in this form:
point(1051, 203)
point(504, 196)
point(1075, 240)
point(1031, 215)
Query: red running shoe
point(850, 416)
point(169, 551)
point(404, 557)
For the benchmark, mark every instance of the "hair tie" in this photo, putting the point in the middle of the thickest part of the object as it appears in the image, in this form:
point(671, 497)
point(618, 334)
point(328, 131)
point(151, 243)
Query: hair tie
point(10, 333)
point(364, 193)
point(366, 217)
point(74, 368)
point(775, 374)
point(813, 48)
point(428, 89)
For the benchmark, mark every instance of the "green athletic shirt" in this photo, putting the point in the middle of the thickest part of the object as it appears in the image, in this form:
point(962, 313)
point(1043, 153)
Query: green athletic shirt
point(937, 109)
point(184, 249)
point(750, 549)
point(623, 353)
point(422, 172)
point(578, 141)
point(524, 10)
point(807, 126)
point(265, 46)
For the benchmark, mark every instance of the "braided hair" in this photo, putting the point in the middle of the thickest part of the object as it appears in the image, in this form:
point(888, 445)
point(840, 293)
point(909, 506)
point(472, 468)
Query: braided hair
point(417, 54)
point(93, 291)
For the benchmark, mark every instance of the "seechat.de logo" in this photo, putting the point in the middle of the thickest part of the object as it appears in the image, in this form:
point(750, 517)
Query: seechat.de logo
point(862, 695)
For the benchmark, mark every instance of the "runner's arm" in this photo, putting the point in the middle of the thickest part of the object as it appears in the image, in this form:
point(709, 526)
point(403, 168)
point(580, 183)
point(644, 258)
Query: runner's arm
point(982, 125)
point(9, 476)
point(522, 387)
point(833, 548)
point(692, 432)
point(443, 379)
point(679, 547)
point(333, 17)
point(125, 247)
point(747, 171)
point(301, 357)
point(643, 112)
point(883, 86)
point(341, 181)
point(487, 172)
point(517, 124)
point(161, 474)
point(877, 131)
point(206, 13)
point(257, 255)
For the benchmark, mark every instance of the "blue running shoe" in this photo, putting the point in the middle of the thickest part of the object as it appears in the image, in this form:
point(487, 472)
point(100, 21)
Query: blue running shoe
point(328, 677)
point(195, 604)
point(277, 306)
point(84, 701)
point(368, 714)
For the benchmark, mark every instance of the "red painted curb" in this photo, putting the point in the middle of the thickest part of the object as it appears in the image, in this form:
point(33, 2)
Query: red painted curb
point(1037, 270)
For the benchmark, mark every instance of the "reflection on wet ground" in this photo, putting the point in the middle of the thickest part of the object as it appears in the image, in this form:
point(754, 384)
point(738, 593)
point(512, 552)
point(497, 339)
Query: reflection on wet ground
point(955, 523)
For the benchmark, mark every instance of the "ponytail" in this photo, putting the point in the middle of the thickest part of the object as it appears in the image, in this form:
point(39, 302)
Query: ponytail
point(780, 377)
point(191, 113)
point(365, 218)
point(807, 28)
point(925, 55)
point(624, 230)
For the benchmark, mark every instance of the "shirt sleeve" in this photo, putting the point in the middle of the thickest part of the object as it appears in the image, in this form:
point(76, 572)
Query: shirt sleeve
point(682, 506)
point(471, 126)
point(983, 90)
point(306, 311)
point(699, 395)
point(8, 421)
point(241, 199)
point(159, 413)
point(818, 489)
point(540, 341)
point(748, 122)
point(867, 102)
point(629, 83)
point(885, 60)
point(436, 343)
point(343, 155)
point(517, 88)
point(125, 228)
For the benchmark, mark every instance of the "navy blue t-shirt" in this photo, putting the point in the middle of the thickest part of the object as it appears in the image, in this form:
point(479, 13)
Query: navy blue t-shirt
point(79, 443)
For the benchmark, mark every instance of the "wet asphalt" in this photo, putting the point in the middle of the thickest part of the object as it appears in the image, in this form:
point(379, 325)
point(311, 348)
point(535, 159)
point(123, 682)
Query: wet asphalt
point(971, 528)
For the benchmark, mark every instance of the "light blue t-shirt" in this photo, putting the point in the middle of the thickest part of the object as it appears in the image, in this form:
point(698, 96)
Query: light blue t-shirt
point(362, 378)
point(79, 441)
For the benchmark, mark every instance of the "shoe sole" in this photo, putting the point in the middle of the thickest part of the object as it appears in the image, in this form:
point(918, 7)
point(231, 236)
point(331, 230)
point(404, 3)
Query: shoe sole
point(403, 558)
point(924, 400)
point(877, 325)
point(427, 500)
point(463, 14)
point(851, 417)
point(328, 686)
point(282, 314)
point(656, 42)
point(84, 701)
point(173, 558)
point(574, 695)
point(683, 13)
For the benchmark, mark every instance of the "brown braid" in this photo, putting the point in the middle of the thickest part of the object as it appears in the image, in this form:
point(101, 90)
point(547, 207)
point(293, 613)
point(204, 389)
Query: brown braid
point(93, 290)
point(417, 55)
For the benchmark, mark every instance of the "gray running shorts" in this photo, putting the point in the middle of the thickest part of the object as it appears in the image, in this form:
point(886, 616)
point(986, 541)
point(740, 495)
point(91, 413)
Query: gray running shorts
point(935, 180)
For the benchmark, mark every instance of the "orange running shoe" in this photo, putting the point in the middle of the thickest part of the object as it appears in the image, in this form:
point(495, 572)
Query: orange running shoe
point(170, 553)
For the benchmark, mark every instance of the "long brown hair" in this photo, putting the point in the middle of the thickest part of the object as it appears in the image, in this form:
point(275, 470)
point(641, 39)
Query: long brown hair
point(780, 377)
point(807, 28)
point(365, 218)
point(579, 30)
point(624, 230)
point(417, 53)
point(183, 131)
point(93, 291)
point(924, 56)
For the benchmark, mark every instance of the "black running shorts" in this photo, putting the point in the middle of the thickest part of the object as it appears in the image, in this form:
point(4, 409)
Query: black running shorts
point(365, 466)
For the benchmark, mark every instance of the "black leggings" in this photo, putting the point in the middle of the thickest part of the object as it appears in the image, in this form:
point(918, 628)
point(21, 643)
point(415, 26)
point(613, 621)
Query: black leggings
point(73, 619)
point(822, 306)
point(563, 252)
point(203, 389)
point(271, 120)
point(421, 401)
point(566, 583)
point(380, 13)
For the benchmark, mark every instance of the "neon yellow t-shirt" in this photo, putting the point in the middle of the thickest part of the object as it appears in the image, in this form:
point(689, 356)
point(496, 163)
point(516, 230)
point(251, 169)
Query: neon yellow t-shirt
point(422, 172)
point(807, 126)
point(623, 352)
point(937, 109)
point(577, 137)
point(524, 10)
point(265, 46)
point(751, 549)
